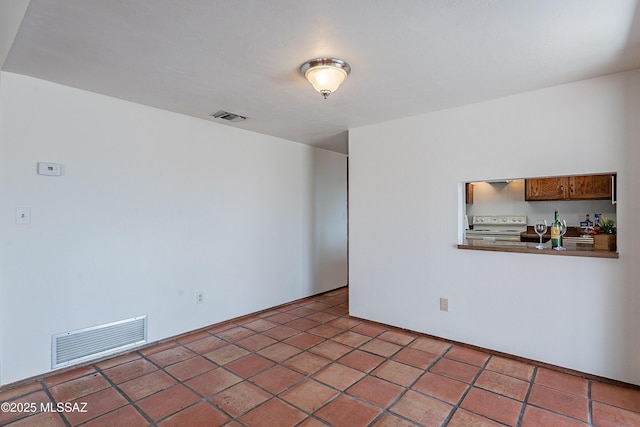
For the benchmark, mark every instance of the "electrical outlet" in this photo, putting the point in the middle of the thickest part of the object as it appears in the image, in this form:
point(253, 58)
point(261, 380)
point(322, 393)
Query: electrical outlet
point(199, 297)
point(444, 304)
point(23, 215)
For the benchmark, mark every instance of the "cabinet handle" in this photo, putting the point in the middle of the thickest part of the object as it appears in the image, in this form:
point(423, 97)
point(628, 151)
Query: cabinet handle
point(613, 190)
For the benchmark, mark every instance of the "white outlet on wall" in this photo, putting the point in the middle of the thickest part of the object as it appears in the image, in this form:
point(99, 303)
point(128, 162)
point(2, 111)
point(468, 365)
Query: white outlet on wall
point(23, 215)
point(199, 297)
point(444, 304)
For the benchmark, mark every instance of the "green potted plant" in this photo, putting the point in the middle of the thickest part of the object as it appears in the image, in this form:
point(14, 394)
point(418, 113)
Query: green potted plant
point(604, 236)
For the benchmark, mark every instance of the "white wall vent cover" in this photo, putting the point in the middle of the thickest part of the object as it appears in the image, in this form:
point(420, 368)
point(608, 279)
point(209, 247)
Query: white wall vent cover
point(83, 344)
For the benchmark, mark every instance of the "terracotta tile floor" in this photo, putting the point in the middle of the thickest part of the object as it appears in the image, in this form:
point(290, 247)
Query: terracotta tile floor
point(309, 364)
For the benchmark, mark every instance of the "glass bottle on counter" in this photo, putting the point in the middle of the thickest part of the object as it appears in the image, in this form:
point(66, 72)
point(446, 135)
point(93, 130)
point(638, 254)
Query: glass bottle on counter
point(555, 231)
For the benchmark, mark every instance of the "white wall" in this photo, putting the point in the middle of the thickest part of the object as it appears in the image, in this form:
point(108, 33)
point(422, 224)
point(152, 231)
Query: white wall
point(405, 214)
point(152, 207)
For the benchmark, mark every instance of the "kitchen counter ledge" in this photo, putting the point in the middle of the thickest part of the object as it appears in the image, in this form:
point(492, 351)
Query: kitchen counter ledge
point(530, 248)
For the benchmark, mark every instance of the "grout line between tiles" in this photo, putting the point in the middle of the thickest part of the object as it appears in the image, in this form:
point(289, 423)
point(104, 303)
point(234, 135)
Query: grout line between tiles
point(123, 394)
point(589, 403)
point(366, 374)
point(53, 400)
point(252, 352)
point(310, 376)
point(533, 383)
point(525, 402)
point(305, 377)
point(386, 410)
point(469, 388)
point(203, 399)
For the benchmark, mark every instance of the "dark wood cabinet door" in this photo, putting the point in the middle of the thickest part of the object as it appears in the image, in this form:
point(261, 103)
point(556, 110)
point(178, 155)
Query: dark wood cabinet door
point(469, 192)
point(590, 187)
point(540, 189)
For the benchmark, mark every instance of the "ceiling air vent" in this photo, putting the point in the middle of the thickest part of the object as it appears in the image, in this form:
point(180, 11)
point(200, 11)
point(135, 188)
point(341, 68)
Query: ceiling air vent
point(225, 115)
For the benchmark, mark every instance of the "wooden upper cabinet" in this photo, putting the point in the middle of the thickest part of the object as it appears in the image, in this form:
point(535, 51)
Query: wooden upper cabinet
point(469, 192)
point(585, 187)
point(590, 187)
point(538, 189)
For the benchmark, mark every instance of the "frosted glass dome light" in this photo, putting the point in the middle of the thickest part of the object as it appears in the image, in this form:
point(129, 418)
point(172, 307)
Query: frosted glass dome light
point(325, 74)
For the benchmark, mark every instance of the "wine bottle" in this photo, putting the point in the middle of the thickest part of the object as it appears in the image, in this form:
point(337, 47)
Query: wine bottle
point(555, 230)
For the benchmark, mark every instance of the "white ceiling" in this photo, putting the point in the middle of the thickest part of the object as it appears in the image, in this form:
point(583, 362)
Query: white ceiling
point(408, 57)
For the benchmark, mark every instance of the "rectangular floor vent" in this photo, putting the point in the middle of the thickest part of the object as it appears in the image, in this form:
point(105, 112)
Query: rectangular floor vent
point(83, 344)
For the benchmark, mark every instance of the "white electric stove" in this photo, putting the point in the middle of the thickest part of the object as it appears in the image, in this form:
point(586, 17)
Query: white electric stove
point(497, 227)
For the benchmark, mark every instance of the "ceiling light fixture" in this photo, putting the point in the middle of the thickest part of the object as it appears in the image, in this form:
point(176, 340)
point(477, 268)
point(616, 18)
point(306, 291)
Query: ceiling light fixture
point(325, 74)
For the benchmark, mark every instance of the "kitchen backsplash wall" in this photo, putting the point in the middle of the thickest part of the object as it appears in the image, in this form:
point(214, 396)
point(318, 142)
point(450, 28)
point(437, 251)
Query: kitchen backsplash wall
point(508, 198)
